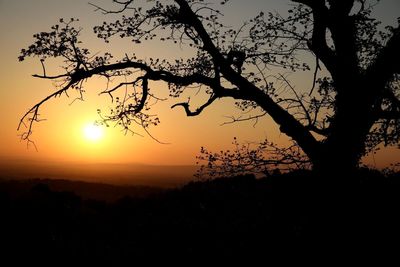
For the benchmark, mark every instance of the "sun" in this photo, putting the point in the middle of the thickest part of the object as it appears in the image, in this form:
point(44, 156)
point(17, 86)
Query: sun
point(93, 132)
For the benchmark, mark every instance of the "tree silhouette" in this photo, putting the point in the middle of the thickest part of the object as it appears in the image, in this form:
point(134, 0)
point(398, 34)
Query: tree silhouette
point(265, 158)
point(352, 107)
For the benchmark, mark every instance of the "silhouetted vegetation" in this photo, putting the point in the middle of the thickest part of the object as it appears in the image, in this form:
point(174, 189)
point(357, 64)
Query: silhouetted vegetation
point(351, 108)
point(291, 215)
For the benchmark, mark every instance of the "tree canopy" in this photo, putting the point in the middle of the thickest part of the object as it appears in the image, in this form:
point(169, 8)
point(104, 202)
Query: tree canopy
point(352, 107)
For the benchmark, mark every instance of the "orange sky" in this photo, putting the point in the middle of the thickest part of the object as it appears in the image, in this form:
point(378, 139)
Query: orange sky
point(60, 137)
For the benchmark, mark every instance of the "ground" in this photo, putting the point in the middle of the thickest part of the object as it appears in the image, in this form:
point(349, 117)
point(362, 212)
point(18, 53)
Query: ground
point(298, 215)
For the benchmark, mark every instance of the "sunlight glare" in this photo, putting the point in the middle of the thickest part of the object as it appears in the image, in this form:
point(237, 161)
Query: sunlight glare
point(93, 132)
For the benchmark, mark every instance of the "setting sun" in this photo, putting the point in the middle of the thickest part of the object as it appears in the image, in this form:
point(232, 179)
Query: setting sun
point(93, 132)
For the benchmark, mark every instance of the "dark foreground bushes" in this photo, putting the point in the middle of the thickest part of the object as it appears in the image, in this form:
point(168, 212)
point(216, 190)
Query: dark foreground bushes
point(291, 216)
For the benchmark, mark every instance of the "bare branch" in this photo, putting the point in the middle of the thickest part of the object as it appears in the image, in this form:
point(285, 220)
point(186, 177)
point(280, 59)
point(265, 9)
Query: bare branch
point(306, 114)
point(190, 113)
point(110, 91)
point(243, 119)
point(105, 11)
point(50, 77)
point(33, 112)
point(317, 67)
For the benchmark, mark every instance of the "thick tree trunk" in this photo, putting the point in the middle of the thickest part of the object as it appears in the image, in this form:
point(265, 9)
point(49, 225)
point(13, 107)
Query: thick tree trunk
point(342, 150)
point(335, 158)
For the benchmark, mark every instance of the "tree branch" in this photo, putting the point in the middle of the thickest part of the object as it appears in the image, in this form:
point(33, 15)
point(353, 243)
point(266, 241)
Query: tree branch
point(299, 100)
point(318, 44)
point(50, 77)
point(105, 11)
point(317, 67)
point(110, 91)
point(35, 112)
point(288, 124)
point(242, 119)
point(190, 113)
point(386, 64)
point(389, 115)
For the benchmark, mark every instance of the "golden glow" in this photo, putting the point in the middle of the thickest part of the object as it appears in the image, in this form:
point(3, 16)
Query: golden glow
point(93, 132)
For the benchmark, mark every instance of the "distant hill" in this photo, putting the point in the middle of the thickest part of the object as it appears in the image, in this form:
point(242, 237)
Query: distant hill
point(167, 176)
point(86, 190)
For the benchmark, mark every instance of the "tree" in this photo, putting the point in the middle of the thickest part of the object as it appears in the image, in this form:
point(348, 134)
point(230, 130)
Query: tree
point(352, 107)
point(265, 159)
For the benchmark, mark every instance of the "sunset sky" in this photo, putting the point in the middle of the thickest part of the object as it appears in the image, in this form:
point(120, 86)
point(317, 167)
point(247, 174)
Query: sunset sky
point(62, 136)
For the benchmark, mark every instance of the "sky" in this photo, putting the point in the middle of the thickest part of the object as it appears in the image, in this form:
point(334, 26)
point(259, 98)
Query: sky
point(61, 137)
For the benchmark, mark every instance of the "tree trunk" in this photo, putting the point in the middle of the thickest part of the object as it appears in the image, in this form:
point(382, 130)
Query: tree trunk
point(336, 158)
point(341, 152)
